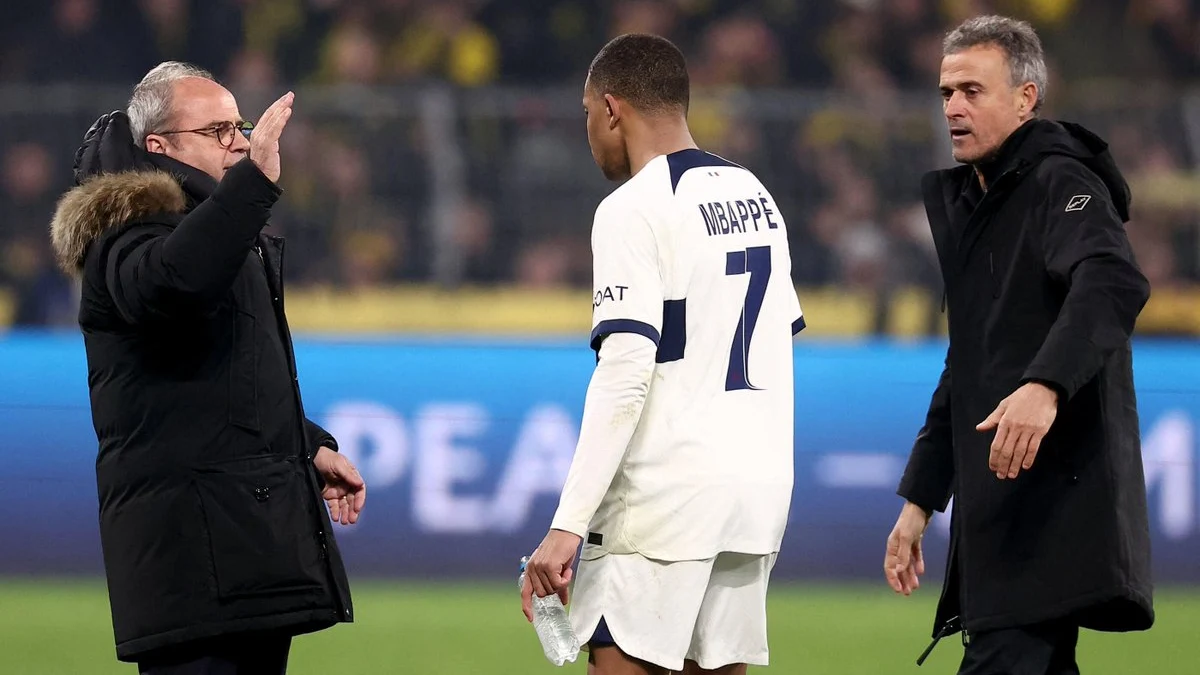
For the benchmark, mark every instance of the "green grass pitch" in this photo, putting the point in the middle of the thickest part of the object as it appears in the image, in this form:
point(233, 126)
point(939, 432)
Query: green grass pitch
point(62, 627)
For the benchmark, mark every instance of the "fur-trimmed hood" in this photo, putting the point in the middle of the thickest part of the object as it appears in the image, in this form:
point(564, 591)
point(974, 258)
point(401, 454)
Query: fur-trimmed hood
point(107, 201)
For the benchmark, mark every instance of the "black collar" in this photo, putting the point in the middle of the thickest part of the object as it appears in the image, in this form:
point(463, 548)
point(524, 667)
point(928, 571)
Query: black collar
point(196, 184)
point(1006, 157)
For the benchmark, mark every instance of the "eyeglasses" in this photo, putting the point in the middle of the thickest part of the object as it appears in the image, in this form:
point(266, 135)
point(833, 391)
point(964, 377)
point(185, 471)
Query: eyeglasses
point(223, 132)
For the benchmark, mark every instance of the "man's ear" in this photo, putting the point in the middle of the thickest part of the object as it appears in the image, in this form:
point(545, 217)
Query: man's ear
point(614, 110)
point(156, 144)
point(1029, 99)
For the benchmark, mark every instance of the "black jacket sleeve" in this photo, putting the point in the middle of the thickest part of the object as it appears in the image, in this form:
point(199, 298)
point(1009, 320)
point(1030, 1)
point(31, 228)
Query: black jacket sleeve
point(1086, 250)
point(928, 479)
point(153, 275)
point(318, 437)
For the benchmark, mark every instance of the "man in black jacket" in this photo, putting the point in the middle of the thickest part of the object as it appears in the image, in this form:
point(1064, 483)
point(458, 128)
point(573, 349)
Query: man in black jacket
point(217, 546)
point(1033, 426)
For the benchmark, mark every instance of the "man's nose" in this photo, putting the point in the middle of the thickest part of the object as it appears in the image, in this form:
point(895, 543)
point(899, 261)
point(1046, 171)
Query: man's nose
point(956, 106)
point(240, 143)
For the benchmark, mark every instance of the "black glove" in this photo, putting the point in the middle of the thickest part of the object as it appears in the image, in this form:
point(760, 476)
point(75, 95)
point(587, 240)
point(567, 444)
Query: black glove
point(108, 147)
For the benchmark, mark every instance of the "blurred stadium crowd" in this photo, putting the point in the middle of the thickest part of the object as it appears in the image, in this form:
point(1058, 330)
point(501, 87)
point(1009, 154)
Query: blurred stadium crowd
point(442, 142)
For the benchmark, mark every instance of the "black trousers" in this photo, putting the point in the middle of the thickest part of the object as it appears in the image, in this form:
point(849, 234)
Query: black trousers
point(242, 654)
point(1043, 649)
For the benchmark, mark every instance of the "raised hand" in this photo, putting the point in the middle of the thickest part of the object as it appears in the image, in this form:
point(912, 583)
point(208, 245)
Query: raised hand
point(264, 140)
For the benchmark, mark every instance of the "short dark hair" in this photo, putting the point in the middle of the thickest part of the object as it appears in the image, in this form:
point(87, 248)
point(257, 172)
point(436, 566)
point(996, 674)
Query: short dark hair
point(648, 71)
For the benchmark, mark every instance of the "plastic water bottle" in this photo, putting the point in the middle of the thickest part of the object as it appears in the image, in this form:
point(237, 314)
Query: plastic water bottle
point(552, 625)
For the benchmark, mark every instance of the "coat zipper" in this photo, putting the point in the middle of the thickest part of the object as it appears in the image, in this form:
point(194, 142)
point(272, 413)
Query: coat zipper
point(946, 629)
point(285, 334)
point(992, 276)
point(971, 231)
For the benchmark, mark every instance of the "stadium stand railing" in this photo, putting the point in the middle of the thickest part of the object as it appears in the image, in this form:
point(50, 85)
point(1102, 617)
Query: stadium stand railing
point(432, 209)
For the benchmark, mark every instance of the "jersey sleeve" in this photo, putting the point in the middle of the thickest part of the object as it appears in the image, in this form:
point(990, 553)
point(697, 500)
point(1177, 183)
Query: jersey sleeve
point(627, 293)
point(611, 412)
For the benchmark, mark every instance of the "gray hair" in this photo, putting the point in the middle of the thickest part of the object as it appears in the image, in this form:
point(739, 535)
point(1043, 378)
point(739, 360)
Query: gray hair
point(150, 105)
point(1018, 40)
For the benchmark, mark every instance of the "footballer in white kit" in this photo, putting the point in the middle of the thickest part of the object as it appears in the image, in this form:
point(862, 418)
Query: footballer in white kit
point(680, 486)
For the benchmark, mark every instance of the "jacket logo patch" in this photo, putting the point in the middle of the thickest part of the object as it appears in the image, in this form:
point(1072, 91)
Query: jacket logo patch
point(1077, 202)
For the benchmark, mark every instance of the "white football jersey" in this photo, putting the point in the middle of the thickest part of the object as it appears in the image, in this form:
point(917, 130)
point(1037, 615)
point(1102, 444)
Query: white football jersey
point(692, 253)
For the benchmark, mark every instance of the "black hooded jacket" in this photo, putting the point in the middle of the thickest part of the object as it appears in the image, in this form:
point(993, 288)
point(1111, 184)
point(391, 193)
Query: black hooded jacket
point(1041, 286)
point(211, 519)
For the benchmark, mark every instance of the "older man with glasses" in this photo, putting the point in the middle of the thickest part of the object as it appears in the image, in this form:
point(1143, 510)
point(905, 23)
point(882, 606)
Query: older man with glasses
point(217, 546)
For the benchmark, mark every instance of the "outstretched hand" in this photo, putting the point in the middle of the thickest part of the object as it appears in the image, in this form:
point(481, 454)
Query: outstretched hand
point(345, 490)
point(1021, 421)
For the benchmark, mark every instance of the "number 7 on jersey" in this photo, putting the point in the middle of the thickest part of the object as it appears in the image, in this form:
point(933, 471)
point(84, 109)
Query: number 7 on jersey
point(755, 261)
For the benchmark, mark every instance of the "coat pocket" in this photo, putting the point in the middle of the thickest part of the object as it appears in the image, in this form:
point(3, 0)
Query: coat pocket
point(243, 373)
point(258, 512)
point(995, 280)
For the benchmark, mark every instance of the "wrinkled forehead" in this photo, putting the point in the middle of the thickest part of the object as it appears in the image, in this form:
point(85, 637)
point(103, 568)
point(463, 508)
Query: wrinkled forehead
point(982, 64)
point(197, 102)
